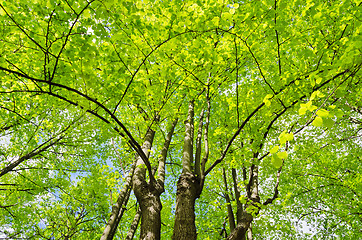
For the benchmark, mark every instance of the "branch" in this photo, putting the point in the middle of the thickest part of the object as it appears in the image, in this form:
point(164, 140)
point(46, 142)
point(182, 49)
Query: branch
point(143, 62)
point(66, 39)
point(276, 192)
point(162, 160)
point(198, 145)
point(38, 150)
point(135, 145)
point(223, 155)
point(114, 218)
point(187, 155)
point(206, 135)
point(277, 36)
point(228, 202)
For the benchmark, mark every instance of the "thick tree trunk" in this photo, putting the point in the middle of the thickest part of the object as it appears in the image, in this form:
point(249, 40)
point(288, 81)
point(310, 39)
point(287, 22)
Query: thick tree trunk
point(188, 189)
point(189, 185)
point(147, 196)
point(148, 193)
point(239, 232)
point(150, 205)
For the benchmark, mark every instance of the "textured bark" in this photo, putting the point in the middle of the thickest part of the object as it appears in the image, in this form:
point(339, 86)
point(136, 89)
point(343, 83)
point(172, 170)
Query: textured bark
point(198, 145)
point(148, 193)
point(188, 189)
point(187, 155)
point(239, 232)
point(253, 186)
point(150, 205)
point(162, 160)
point(119, 217)
point(206, 140)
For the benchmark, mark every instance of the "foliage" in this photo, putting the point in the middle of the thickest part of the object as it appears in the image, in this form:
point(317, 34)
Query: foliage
point(83, 81)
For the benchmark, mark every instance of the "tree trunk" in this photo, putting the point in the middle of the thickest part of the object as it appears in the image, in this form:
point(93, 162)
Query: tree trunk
point(239, 232)
point(148, 193)
point(188, 189)
point(239, 206)
point(122, 200)
point(151, 206)
point(134, 225)
point(252, 190)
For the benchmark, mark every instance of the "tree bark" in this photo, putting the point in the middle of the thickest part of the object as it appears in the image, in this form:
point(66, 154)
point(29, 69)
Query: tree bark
point(188, 189)
point(148, 193)
point(119, 217)
point(239, 232)
point(252, 191)
point(151, 206)
point(239, 206)
point(198, 146)
point(250, 232)
point(187, 155)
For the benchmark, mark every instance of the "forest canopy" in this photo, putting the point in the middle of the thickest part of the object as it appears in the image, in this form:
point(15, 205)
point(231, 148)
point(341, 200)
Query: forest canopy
point(180, 119)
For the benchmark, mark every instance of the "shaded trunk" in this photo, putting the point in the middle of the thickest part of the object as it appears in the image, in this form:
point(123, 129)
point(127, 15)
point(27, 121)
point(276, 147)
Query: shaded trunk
point(188, 186)
point(198, 146)
point(239, 232)
point(188, 189)
point(147, 195)
point(239, 206)
point(190, 183)
point(150, 205)
point(121, 212)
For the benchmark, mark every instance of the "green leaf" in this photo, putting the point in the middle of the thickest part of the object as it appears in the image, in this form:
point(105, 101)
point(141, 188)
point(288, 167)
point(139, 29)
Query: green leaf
point(322, 113)
point(328, 122)
point(302, 110)
point(318, 122)
point(277, 162)
point(282, 155)
point(284, 137)
point(274, 149)
point(289, 136)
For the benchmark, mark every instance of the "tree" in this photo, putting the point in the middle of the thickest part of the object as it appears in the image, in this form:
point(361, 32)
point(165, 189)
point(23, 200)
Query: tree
point(171, 112)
